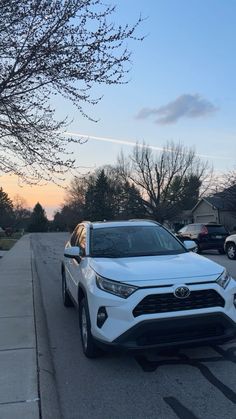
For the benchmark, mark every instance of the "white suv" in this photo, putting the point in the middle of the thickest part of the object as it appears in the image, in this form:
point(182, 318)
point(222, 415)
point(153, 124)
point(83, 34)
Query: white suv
point(138, 287)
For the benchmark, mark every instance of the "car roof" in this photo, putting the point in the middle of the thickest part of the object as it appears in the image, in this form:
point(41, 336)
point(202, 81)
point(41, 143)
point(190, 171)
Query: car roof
point(204, 224)
point(123, 223)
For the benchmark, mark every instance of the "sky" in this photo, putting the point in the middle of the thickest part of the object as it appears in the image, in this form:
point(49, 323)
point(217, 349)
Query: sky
point(181, 88)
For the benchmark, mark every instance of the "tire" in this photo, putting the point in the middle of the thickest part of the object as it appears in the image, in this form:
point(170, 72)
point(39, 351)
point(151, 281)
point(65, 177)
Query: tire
point(65, 295)
point(231, 251)
point(89, 346)
point(198, 250)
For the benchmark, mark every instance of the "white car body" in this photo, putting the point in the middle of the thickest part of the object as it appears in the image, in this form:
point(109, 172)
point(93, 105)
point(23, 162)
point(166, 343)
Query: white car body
point(207, 313)
point(230, 246)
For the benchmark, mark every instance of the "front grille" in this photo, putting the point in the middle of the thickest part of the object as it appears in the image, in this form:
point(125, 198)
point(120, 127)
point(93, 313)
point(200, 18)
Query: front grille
point(164, 303)
point(186, 333)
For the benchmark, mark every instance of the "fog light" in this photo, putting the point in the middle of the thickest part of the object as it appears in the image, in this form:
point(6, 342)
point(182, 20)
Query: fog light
point(235, 300)
point(101, 317)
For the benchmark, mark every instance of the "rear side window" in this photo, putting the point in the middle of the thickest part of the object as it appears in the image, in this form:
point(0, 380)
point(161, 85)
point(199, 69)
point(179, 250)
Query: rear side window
point(196, 228)
point(216, 229)
point(183, 230)
point(191, 228)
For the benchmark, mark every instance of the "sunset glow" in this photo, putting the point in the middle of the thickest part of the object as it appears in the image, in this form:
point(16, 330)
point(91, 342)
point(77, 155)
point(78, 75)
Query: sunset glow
point(49, 196)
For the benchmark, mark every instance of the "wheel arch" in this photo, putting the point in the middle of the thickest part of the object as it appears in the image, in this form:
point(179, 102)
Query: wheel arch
point(62, 268)
point(81, 293)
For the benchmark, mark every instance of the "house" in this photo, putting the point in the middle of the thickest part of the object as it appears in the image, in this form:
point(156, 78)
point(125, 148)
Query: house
point(183, 218)
point(215, 209)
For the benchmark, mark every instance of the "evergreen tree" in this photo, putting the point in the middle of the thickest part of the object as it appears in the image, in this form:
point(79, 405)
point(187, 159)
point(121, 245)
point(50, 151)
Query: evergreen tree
point(183, 194)
point(129, 202)
point(103, 195)
point(6, 210)
point(99, 199)
point(38, 219)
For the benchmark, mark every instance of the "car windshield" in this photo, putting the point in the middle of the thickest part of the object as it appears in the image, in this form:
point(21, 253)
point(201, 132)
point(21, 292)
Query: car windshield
point(133, 241)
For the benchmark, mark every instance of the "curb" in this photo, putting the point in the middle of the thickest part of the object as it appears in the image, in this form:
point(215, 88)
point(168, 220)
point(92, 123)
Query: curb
point(49, 398)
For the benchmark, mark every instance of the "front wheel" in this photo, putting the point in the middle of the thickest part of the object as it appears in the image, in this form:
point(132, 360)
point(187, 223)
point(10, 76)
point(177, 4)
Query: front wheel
point(197, 250)
point(89, 347)
point(231, 251)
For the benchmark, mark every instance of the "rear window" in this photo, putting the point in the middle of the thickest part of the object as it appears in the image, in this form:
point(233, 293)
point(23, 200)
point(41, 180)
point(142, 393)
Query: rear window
point(216, 229)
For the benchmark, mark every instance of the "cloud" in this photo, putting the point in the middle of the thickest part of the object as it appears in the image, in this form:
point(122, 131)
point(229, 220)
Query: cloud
point(185, 106)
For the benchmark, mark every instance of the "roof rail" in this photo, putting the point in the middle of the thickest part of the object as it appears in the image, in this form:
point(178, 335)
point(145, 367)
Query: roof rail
point(144, 219)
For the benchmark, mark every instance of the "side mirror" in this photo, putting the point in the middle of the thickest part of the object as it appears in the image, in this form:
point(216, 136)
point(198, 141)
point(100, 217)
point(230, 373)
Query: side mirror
point(190, 245)
point(73, 252)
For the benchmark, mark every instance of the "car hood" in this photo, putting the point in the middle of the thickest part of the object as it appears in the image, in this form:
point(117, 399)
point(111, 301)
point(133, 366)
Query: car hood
point(162, 269)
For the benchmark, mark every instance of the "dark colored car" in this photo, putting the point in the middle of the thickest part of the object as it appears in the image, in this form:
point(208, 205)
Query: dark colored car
point(207, 236)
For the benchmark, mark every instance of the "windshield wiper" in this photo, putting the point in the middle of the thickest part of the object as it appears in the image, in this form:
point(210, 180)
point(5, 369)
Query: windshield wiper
point(109, 255)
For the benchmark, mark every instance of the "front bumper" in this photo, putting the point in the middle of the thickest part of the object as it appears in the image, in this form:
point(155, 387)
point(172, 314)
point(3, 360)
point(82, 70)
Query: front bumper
point(181, 331)
point(126, 328)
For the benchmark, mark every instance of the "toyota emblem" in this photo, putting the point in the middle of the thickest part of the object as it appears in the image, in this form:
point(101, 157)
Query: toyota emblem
point(182, 292)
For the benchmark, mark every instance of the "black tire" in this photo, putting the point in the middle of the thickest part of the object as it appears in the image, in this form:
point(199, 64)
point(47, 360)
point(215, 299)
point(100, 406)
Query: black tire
point(89, 346)
point(231, 251)
point(221, 251)
point(65, 295)
point(198, 250)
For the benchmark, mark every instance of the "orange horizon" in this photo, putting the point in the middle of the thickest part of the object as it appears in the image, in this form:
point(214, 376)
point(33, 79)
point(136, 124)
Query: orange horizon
point(48, 196)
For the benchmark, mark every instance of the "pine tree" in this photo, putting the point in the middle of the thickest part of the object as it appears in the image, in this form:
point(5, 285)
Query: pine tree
point(99, 199)
point(6, 210)
point(38, 219)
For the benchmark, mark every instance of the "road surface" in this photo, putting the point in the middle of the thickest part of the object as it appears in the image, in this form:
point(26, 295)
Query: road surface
point(189, 384)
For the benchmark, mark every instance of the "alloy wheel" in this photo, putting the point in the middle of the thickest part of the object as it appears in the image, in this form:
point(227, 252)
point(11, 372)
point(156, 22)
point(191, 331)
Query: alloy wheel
point(231, 251)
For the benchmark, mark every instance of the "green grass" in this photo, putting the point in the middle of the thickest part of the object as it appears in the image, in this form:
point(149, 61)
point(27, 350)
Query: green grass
point(7, 243)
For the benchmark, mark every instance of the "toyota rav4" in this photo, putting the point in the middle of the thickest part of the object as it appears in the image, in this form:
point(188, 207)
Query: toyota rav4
point(137, 287)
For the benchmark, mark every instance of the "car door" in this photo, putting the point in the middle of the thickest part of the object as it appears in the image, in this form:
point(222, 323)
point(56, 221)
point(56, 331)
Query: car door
point(73, 269)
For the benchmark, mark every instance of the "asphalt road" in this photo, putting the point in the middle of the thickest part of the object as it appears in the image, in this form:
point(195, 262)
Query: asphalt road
point(188, 384)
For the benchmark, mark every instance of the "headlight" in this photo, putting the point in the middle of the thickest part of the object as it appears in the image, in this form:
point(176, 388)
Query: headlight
point(224, 279)
point(116, 288)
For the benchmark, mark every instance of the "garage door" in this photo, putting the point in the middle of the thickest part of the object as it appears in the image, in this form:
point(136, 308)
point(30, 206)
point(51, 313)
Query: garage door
point(207, 218)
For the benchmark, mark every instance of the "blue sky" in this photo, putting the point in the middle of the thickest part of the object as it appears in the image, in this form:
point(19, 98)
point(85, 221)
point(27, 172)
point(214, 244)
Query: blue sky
point(185, 66)
point(182, 80)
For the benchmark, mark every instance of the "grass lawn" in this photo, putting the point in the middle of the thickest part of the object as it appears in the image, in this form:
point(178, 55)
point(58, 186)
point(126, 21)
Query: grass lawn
point(7, 243)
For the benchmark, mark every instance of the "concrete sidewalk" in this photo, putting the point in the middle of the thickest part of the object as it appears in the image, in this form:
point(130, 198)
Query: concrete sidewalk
point(19, 392)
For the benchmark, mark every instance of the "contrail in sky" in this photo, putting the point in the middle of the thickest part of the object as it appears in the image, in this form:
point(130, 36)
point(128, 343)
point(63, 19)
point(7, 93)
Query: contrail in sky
point(132, 143)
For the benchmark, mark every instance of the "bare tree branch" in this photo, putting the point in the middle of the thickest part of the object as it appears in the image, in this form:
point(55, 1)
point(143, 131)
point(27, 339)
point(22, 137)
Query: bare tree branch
point(165, 180)
point(48, 48)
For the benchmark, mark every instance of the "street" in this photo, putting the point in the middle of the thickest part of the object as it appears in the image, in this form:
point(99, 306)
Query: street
point(191, 383)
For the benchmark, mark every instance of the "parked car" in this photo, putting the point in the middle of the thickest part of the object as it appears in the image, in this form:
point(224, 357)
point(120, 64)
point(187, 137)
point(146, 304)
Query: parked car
point(2, 232)
point(136, 287)
point(230, 246)
point(206, 236)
